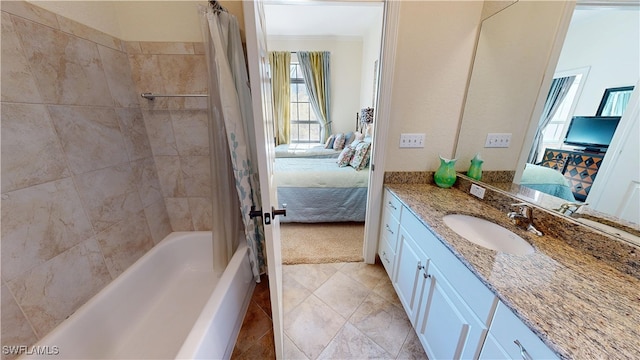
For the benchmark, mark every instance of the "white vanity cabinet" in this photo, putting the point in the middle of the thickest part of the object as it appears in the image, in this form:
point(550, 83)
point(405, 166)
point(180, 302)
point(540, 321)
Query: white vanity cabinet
point(510, 338)
point(389, 231)
point(409, 276)
point(454, 314)
point(435, 289)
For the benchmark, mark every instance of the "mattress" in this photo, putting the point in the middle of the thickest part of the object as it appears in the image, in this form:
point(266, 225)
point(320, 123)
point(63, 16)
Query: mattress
point(318, 190)
point(317, 173)
point(305, 151)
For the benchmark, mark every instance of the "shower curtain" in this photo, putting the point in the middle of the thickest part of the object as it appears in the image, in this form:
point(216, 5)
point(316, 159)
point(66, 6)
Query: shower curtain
point(235, 189)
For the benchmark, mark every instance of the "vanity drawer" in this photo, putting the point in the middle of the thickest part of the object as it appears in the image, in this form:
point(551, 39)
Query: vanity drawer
point(392, 204)
point(390, 228)
point(387, 255)
point(507, 328)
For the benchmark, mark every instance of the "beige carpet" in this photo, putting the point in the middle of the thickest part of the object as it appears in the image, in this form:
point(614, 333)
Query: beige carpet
point(321, 243)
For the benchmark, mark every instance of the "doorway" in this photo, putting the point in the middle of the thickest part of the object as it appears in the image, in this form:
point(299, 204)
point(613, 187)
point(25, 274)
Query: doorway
point(352, 34)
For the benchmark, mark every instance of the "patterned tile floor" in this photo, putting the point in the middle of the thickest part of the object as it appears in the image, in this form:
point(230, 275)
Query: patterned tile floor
point(331, 311)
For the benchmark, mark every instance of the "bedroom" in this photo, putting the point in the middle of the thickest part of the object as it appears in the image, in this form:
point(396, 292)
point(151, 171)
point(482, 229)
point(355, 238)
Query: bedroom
point(325, 192)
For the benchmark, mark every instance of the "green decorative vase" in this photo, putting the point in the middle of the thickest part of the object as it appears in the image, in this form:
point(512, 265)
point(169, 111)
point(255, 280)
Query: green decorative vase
point(475, 170)
point(445, 176)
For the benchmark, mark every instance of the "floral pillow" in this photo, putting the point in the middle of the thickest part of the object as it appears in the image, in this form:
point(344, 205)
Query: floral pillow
point(345, 156)
point(361, 156)
point(338, 142)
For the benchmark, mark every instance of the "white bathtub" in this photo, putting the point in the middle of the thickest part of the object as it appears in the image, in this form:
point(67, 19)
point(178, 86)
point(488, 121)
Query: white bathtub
point(169, 304)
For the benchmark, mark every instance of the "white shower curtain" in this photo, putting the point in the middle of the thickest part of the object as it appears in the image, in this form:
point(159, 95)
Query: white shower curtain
point(235, 188)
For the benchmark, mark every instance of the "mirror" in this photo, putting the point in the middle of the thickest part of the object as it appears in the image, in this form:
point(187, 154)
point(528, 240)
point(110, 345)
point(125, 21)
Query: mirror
point(510, 81)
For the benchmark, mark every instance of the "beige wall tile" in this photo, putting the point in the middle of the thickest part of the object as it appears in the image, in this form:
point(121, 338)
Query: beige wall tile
point(170, 176)
point(38, 223)
point(124, 243)
point(146, 74)
point(80, 30)
point(160, 132)
point(134, 133)
point(18, 83)
point(179, 214)
point(132, 47)
point(201, 213)
point(31, 151)
point(147, 182)
point(68, 70)
point(16, 330)
point(158, 220)
point(90, 137)
point(49, 293)
point(165, 48)
point(31, 12)
point(197, 175)
point(184, 74)
point(118, 74)
point(109, 195)
point(191, 129)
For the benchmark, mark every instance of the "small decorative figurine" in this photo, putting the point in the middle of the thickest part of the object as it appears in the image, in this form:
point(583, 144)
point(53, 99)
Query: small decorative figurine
point(475, 170)
point(445, 176)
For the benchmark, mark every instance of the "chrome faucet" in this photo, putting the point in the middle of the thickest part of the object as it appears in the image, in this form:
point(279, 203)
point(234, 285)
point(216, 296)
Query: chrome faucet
point(524, 218)
point(570, 208)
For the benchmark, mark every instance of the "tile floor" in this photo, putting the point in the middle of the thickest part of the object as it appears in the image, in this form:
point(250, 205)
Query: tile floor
point(331, 311)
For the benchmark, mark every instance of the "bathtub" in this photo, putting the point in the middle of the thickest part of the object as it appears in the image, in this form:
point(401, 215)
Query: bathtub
point(169, 304)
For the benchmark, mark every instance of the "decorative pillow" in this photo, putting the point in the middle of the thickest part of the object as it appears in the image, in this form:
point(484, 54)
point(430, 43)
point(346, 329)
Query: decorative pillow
point(329, 143)
point(360, 159)
point(348, 138)
point(345, 156)
point(338, 143)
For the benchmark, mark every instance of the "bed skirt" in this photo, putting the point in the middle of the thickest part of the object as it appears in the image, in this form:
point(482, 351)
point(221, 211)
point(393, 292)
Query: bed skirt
point(313, 205)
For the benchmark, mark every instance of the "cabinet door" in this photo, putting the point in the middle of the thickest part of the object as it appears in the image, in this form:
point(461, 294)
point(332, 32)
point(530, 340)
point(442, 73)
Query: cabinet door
point(409, 279)
point(441, 328)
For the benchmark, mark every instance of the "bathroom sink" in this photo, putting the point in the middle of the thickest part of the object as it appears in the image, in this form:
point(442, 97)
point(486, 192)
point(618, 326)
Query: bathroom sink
point(487, 234)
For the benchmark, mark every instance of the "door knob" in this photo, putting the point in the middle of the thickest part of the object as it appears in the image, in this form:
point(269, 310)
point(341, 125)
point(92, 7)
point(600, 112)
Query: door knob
point(255, 213)
point(275, 212)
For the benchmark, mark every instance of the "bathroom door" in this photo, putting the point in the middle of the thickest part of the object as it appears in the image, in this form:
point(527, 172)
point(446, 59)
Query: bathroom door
point(259, 75)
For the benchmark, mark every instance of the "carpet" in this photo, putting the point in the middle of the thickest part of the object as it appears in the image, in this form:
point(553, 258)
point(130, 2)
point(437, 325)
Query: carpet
point(321, 243)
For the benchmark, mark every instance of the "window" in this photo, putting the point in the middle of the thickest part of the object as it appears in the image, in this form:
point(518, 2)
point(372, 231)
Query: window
point(305, 127)
point(555, 131)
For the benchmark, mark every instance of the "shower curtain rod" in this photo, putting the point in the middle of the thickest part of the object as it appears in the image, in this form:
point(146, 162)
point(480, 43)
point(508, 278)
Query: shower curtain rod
point(151, 96)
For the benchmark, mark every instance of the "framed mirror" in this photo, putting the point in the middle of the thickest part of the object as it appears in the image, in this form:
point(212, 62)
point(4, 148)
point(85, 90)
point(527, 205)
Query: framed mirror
point(614, 101)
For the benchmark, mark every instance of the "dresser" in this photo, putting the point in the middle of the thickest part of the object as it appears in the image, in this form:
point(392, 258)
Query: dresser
point(579, 167)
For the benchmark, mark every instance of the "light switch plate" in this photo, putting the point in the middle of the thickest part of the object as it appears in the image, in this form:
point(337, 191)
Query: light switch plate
point(498, 140)
point(411, 140)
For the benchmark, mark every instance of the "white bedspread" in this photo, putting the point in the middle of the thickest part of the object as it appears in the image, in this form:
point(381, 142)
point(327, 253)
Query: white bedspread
point(304, 150)
point(317, 173)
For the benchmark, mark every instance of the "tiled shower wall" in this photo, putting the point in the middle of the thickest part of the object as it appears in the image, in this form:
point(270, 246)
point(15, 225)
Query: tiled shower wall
point(81, 155)
point(177, 127)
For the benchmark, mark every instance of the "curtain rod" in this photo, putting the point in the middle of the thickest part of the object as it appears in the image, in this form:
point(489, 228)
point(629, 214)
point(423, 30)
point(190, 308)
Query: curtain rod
point(151, 96)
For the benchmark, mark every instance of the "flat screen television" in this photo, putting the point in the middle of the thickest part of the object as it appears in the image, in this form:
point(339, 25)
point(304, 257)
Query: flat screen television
point(594, 133)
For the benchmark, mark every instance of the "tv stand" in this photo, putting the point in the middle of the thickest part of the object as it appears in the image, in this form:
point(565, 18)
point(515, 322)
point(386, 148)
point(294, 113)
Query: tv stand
point(580, 167)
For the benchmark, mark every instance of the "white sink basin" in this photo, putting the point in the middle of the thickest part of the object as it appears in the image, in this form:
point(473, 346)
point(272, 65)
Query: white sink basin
point(487, 234)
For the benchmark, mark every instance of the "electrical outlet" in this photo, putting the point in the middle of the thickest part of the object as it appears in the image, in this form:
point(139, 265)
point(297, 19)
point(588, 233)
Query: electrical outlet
point(477, 191)
point(498, 140)
point(411, 140)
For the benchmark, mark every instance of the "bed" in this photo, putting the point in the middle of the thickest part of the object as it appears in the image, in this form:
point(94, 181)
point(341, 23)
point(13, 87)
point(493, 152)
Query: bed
point(318, 190)
point(306, 151)
point(548, 181)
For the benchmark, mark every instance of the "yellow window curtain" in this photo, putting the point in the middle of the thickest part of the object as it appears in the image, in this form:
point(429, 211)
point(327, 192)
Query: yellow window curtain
point(281, 93)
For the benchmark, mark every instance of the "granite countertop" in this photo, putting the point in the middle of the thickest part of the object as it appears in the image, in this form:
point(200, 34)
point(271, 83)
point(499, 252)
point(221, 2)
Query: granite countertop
point(579, 306)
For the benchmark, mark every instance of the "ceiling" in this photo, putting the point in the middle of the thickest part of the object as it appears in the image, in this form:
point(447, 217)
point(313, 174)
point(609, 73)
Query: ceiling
point(313, 18)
